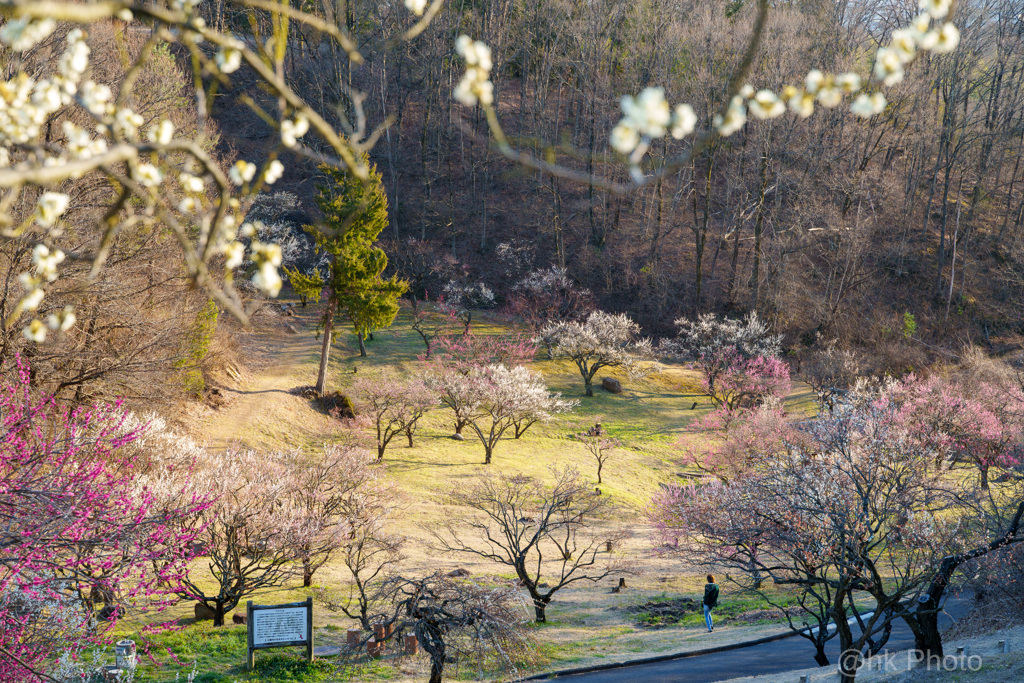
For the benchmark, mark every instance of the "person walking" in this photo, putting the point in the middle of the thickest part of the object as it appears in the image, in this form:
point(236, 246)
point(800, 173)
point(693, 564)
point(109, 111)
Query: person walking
point(710, 601)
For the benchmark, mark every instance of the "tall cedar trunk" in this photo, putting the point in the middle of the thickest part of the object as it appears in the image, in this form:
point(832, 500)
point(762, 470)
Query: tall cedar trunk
point(325, 350)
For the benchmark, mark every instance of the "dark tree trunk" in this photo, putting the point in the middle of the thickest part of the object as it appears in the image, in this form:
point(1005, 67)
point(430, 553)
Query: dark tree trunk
point(325, 349)
point(408, 434)
point(362, 346)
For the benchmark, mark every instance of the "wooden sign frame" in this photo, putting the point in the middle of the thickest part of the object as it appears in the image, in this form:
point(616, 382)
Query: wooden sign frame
point(250, 627)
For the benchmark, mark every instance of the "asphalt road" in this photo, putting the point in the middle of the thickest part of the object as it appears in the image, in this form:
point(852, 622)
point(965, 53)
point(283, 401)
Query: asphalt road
point(757, 660)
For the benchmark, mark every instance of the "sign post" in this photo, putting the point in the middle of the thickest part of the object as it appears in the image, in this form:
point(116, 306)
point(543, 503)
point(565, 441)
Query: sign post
point(288, 625)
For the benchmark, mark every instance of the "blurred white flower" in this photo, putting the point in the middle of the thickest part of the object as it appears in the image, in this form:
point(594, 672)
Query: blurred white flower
point(228, 60)
point(148, 174)
point(813, 81)
point(234, 254)
point(766, 105)
point(62, 320)
point(242, 172)
point(948, 39)
point(904, 42)
point(866, 106)
point(31, 301)
point(46, 262)
point(829, 95)
point(936, 8)
point(417, 7)
point(274, 172)
point(127, 122)
point(684, 121)
point(95, 97)
point(735, 118)
point(888, 66)
point(50, 207)
point(648, 112)
point(849, 83)
point(35, 331)
point(21, 34)
point(475, 85)
point(267, 279)
point(291, 131)
point(191, 183)
point(187, 205)
point(161, 134)
point(800, 102)
point(624, 138)
point(747, 91)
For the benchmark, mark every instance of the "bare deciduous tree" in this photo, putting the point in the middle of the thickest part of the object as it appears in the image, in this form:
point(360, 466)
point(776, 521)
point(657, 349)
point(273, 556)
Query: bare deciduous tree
point(545, 533)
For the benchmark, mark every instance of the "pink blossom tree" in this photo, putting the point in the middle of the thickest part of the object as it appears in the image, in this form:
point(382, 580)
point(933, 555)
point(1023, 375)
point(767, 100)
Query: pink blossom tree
point(82, 522)
point(395, 406)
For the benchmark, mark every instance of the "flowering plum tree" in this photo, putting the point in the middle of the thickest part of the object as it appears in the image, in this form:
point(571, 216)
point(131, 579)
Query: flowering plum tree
point(603, 340)
point(509, 398)
point(83, 520)
point(395, 407)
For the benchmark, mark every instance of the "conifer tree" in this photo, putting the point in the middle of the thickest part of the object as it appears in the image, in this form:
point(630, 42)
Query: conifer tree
point(355, 212)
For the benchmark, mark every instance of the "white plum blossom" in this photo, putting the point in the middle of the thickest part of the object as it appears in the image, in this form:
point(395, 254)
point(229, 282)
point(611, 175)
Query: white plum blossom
point(849, 83)
point(624, 138)
point(46, 262)
point(62, 320)
point(149, 175)
point(800, 103)
point(95, 97)
point(242, 172)
point(22, 34)
point(648, 113)
point(866, 106)
point(274, 172)
point(35, 331)
point(228, 60)
point(948, 39)
point(684, 120)
point(475, 85)
point(936, 8)
point(31, 301)
point(161, 134)
point(735, 118)
point(813, 81)
point(904, 42)
point(267, 258)
point(191, 183)
point(766, 105)
point(888, 66)
point(234, 254)
point(291, 131)
point(50, 207)
point(417, 7)
point(127, 122)
point(187, 205)
point(829, 95)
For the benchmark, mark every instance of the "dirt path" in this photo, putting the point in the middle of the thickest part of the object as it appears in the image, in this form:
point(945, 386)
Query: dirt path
point(280, 353)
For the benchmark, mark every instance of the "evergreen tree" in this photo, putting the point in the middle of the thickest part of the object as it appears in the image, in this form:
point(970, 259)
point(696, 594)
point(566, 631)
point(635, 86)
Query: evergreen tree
point(355, 212)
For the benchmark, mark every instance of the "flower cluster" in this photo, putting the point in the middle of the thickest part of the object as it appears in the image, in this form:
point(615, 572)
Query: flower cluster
point(28, 103)
point(417, 7)
point(648, 116)
point(475, 85)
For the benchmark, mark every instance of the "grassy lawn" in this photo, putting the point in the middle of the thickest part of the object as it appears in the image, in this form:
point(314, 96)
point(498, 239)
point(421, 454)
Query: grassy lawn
point(587, 622)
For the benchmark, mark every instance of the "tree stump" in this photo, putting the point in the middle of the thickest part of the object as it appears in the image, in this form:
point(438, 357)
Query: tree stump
point(412, 645)
point(352, 638)
point(238, 618)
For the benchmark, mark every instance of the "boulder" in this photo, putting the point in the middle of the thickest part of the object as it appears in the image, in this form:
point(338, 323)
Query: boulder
point(458, 437)
point(290, 329)
point(612, 385)
point(203, 613)
point(238, 618)
point(458, 573)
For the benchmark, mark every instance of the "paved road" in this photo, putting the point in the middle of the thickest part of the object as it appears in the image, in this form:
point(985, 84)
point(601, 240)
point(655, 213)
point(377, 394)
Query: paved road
point(757, 660)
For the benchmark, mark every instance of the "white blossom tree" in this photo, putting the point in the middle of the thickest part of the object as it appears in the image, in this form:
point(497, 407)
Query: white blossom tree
point(506, 398)
point(603, 340)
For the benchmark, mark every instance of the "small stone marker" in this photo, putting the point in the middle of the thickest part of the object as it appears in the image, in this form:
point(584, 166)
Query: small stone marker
point(202, 612)
point(326, 651)
point(1002, 646)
